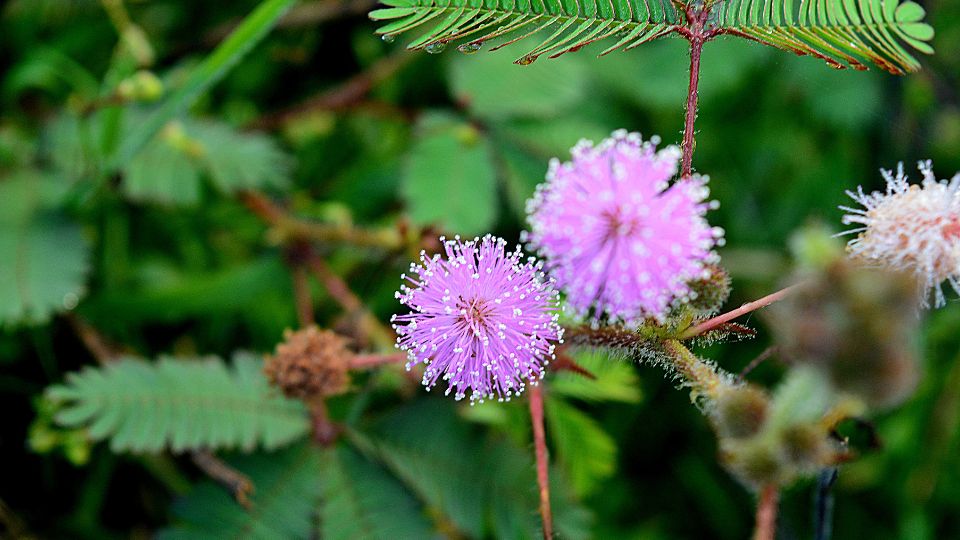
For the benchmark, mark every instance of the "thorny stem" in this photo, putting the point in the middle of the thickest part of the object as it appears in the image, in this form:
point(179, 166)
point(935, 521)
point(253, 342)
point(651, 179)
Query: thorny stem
point(697, 34)
point(710, 324)
point(540, 448)
point(690, 117)
point(766, 527)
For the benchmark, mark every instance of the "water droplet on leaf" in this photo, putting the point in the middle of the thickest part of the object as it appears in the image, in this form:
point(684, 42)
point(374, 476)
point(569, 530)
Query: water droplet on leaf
point(470, 48)
point(388, 38)
point(436, 47)
point(526, 60)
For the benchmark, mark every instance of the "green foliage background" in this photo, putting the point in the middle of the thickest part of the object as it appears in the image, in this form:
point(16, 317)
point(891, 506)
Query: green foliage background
point(152, 247)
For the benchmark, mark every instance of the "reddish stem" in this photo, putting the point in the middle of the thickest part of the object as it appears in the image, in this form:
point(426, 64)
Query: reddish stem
point(767, 513)
point(367, 361)
point(540, 446)
point(301, 295)
point(697, 34)
point(710, 324)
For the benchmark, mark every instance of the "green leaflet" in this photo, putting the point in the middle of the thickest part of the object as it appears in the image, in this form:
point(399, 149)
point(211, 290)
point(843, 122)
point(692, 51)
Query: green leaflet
point(180, 405)
point(844, 33)
point(569, 25)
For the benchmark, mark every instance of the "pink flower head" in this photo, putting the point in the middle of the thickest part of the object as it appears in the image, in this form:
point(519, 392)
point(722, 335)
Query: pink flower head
point(482, 319)
point(617, 236)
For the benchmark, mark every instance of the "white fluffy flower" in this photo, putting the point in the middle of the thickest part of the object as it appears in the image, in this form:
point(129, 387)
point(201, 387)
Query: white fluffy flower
point(910, 228)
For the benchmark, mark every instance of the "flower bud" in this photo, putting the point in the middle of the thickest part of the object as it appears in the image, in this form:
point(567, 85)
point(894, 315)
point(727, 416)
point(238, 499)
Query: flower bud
point(710, 291)
point(740, 411)
point(141, 86)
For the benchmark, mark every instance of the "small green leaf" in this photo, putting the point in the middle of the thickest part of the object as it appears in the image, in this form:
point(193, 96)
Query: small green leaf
point(449, 179)
point(909, 12)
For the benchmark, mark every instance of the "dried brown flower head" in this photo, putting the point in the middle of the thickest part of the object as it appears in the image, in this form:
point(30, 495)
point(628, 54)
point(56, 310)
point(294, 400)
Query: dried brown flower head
point(310, 363)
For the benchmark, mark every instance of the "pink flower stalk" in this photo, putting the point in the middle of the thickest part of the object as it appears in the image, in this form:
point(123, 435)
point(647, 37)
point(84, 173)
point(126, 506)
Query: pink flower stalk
point(617, 236)
point(910, 228)
point(483, 320)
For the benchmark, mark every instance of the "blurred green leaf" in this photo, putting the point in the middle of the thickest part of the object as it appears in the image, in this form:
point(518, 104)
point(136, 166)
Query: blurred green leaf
point(360, 500)
point(238, 160)
point(616, 379)
point(43, 256)
point(180, 404)
point(470, 478)
point(162, 173)
point(494, 88)
point(449, 177)
point(287, 487)
point(213, 68)
point(584, 449)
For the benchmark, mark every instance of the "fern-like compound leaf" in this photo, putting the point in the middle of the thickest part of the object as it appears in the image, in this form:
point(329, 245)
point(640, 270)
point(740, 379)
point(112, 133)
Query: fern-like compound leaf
point(179, 405)
point(568, 24)
point(844, 33)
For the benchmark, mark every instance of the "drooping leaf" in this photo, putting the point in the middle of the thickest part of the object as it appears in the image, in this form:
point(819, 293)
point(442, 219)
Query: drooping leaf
point(449, 178)
point(844, 33)
point(587, 453)
point(180, 405)
point(44, 259)
point(569, 26)
point(287, 488)
point(361, 500)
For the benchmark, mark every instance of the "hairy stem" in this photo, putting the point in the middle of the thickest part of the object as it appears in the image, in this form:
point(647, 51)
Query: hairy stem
point(767, 513)
point(702, 377)
point(540, 447)
point(710, 324)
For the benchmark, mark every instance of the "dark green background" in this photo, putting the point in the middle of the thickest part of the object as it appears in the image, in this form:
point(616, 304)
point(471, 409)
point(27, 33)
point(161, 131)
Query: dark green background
point(462, 140)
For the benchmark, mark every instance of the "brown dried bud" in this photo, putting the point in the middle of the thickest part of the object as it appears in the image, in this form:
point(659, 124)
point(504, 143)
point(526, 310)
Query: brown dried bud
point(740, 411)
point(310, 363)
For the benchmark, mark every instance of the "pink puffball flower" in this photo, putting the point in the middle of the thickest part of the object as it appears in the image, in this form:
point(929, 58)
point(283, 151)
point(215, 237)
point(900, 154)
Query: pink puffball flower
point(910, 228)
point(617, 236)
point(481, 319)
